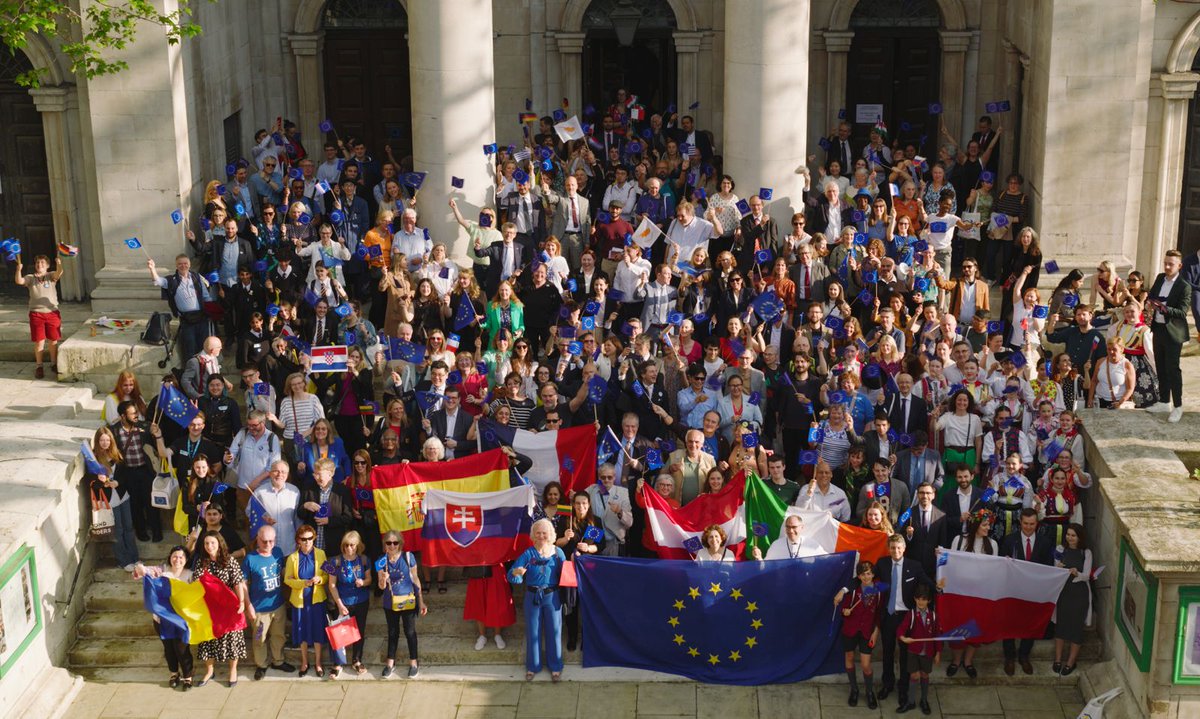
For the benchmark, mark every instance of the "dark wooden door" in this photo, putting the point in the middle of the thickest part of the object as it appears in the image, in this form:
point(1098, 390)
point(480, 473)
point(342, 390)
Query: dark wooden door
point(24, 181)
point(646, 69)
point(367, 89)
point(1189, 215)
point(898, 69)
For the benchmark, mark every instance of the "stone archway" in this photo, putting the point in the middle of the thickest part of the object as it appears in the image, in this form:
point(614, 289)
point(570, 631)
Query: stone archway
point(960, 57)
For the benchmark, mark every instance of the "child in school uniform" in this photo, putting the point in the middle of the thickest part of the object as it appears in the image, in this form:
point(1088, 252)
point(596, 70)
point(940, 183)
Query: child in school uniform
point(861, 613)
point(922, 624)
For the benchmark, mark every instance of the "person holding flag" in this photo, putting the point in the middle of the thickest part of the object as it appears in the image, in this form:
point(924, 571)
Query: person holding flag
point(214, 558)
point(862, 612)
point(100, 464)
point(45, 322)
point(973, 539)
point(176, 650)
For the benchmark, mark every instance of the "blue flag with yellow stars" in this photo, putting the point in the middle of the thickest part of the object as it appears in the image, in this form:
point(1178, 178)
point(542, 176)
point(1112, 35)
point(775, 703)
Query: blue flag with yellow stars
point(742, 623)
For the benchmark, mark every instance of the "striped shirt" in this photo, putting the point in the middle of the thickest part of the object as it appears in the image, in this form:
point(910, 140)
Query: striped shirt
point(300, 416)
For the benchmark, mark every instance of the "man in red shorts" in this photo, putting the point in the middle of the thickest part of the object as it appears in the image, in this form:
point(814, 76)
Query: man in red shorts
point(45, 322)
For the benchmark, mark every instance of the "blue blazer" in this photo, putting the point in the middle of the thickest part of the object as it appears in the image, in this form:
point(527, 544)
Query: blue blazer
point(337, 452)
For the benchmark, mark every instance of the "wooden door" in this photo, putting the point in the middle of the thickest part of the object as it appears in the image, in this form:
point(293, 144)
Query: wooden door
point(1189, 215)
point(898, 69)
point(367, 92)
point(646, 69)
point(24, 182)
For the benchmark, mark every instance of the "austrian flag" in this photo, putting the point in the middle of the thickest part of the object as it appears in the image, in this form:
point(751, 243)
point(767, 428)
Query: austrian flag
point(471, 529)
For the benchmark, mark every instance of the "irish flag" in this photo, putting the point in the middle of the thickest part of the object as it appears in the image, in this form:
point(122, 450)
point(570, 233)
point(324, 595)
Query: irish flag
point(677, 531)
point(1008, 598)
point(764, 512)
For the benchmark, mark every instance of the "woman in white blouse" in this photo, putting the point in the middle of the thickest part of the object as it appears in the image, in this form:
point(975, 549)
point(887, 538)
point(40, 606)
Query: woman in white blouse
point(713, 547)
point(440, 270)
point(962, 430)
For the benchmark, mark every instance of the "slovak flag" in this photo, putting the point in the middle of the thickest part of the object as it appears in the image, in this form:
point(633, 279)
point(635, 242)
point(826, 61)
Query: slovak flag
point(1010, 599)
point(471, 529)
point(646, 233)
point(566, 456)
point(329, 358)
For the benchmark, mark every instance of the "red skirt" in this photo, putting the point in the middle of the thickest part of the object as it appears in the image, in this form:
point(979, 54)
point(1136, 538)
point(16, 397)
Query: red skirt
point(489, 600)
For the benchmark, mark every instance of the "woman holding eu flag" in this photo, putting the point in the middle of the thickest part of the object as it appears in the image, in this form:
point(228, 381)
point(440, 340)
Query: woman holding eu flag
point(580, 533)
point(539, 568)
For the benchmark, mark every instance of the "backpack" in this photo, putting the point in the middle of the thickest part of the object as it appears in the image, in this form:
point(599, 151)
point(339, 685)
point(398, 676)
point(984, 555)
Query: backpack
point(158, 329)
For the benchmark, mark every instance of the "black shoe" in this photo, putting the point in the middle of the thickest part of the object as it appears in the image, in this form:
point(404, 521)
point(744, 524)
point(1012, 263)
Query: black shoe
point(884, 692)
point(571, 643)
point(905, 708)
point(872, 703)
point(283, 667)
point(1067, 669)
point(157, 536)
point(1056, 667)
point(925, 708)
point(142, 536)
point(853, 700)
point(259, 673)
point(951, 669)
point(970, 670)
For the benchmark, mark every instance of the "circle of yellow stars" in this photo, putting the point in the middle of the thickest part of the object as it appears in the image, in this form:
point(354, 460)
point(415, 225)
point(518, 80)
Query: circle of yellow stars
point(715, 589)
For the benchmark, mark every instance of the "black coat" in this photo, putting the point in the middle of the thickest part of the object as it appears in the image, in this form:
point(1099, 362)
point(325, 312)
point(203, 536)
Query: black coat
point(912, 575)
point(340, 518)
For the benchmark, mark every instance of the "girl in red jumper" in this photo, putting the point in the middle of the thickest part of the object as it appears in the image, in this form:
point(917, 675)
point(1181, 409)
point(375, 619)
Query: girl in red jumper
point(861, 612)
point(922, 624)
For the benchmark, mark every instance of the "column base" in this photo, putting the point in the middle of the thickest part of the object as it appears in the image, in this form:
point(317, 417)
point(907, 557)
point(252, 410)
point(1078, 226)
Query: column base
point(1085, 263)
point(126, 293)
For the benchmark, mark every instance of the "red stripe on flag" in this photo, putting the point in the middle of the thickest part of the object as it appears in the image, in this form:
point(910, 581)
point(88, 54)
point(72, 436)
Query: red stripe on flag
point(997, 618)
point(578, 444)
point(706, 509)
point(222, 606)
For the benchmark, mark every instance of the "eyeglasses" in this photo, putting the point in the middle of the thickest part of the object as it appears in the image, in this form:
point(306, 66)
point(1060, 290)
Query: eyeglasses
point(305, 539)
point(391, 544)
point(359, 463)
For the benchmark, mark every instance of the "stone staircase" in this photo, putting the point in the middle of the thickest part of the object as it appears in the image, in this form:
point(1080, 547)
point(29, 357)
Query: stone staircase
point(116, 641)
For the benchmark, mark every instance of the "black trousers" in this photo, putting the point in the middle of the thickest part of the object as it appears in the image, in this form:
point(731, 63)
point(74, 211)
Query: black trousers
point(354, 652)
point(178, 655)
point(891, 622)
point(145, 517)
point(1166, 364)
point(1011, 651)
point(409, 618)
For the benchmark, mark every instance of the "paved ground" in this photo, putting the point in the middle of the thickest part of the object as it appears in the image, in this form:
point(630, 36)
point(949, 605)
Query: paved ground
point(293, 699)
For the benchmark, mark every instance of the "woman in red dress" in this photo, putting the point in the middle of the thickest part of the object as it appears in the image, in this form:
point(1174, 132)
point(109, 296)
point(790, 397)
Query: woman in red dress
point(489, 603)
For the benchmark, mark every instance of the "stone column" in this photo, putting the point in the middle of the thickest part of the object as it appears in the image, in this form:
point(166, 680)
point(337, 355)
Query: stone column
point(766, 98)
point(1013, 61)
point(570, 49)
point(52, 103)
point(306, 49)
point(1172, 92)
point(453, 111)
point(710, 107)
point(819, 112)
point(837, 47)
point(971, 104)
point(954, 69)
point(687, 58)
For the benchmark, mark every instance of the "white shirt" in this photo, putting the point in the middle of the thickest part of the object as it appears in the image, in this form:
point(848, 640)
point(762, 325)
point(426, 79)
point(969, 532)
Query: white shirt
point(627, 195)
point(1163, 292)
point(964, 500)
point(625, 278)
point(281, 506)
point(832, 500)
point(690, 236)
point(967, 310)
point(253, 456)
point(412, 244)
point(941, 240)
point(783, 549)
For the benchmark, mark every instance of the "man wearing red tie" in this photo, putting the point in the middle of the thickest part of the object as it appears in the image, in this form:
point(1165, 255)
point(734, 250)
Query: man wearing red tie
point(1026, 545)
point(572, 223)
point(810, 278)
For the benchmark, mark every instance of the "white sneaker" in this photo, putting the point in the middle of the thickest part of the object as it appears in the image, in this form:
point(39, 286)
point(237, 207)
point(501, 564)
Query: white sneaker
point(129, 567)
point(480, 643)
point(1176, 415)
point(500, 643)
point(1159, 408)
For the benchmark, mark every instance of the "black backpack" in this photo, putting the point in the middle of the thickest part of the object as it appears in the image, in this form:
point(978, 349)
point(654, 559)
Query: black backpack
point(158, 330)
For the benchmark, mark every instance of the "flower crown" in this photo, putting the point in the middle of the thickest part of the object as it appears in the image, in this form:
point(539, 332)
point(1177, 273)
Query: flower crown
point(982, 514)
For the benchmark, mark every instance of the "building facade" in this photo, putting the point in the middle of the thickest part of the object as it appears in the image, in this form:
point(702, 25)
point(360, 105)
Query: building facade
point(1101, 124)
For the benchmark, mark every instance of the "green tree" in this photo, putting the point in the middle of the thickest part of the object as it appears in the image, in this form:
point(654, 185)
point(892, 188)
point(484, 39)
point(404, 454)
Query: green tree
point(87, 36)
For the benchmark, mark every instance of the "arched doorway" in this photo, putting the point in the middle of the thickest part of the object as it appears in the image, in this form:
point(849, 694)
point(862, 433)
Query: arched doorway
point(25, 210)
point(895, 63)
point(629, 44)
point(366, 74)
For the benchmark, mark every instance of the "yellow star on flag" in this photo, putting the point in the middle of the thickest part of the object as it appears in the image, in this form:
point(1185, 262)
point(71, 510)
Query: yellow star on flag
point(736, 594)
point(673, 621)
point(713, 659)
point(692, 652)
point(678, 604)
point(678, 639)
point(694, 592)
point(756, 624)
point(735, 655)
point(751, 641)
point(714, 588)
point(751, 607)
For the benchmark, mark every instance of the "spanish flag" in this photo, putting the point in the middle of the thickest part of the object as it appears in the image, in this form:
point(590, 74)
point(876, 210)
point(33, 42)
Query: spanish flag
point(204, 609)
point(400, 488)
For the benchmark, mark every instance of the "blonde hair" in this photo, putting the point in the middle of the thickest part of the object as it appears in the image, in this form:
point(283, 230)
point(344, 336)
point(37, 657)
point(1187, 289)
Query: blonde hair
point(324, 465)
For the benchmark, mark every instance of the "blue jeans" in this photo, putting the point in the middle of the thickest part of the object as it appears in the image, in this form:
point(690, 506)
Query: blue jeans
point(543, 619)
point(125, 549)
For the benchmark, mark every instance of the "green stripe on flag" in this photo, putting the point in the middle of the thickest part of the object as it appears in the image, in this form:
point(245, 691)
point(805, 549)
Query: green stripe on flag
point(764, 512)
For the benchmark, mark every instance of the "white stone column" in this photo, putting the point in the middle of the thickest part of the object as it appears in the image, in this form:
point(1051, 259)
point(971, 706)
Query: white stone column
point(819, 113)
point(1014, 59)
point(954, 69)
point(570, 50)
point(970, 87)
point(453, 111)
point(837, 48)
point(687, 60)
point(52, 103)
point(710, 80)
point(1174, 91)
point(306, 49)
point(766, 98)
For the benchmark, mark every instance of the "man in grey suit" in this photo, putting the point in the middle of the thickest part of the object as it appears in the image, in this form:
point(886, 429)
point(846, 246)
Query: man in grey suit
point(919, 464)
point(810, 276)
point(453, 425)
point(572, 222)
point(610, 504)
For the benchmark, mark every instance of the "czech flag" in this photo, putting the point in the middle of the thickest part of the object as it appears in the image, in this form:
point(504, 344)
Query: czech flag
point(330, 358)
point(476, 529)
point(678, 531)
point(566, 456)
point(400, 488)
point(1009, 599)
point(203, 610)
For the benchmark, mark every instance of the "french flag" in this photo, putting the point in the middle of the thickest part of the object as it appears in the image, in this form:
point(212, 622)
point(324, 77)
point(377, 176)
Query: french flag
point(330, 358)
point(566, 456)
point(678, 531)
point(471, 529)
point(1008, 598)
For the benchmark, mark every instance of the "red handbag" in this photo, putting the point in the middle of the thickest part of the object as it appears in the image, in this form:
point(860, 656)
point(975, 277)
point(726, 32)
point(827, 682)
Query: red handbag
point(343, 632)
point(567, 577)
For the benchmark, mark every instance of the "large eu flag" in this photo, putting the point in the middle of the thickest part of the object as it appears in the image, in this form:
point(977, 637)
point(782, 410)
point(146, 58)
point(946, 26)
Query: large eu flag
point(725, 623)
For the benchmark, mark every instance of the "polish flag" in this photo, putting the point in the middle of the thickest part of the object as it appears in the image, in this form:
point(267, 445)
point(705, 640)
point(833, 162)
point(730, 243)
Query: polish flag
point(1008, 598)
point(678, 531)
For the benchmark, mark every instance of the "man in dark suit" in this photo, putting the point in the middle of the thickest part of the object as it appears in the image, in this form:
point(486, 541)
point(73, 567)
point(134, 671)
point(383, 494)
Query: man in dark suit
point(876, 443)
point(243, 299)
point(1026, 545)
point(908, 412)
point(1191, 274)
point(756, 230)
point(320, 328)
point(608, 137)
point(452, 425)
point(810, 276)
point(918, 464)
point(506, 258)
point(645, 397)
point(523, 208)
point(840, 149)
point(687, 134)
point(830, 213)
point(1170, 298)
point(984, 136)
point(926, 530)
point(959, 503)
point(907, 574)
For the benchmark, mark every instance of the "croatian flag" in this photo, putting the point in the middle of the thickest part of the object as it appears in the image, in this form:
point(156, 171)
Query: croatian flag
point(566, 456)
point(678, 532)
point(330, 358)
point(471, 529)
point(1009, 599)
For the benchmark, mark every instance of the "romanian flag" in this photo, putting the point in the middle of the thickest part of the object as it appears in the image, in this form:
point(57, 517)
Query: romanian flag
point(400, 488)
point(204, 609)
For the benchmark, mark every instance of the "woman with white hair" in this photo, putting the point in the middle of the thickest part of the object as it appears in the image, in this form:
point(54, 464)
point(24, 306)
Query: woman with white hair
point(539, 569)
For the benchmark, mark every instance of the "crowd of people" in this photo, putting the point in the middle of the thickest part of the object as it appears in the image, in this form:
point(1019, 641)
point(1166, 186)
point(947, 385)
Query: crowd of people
point(851, 353)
